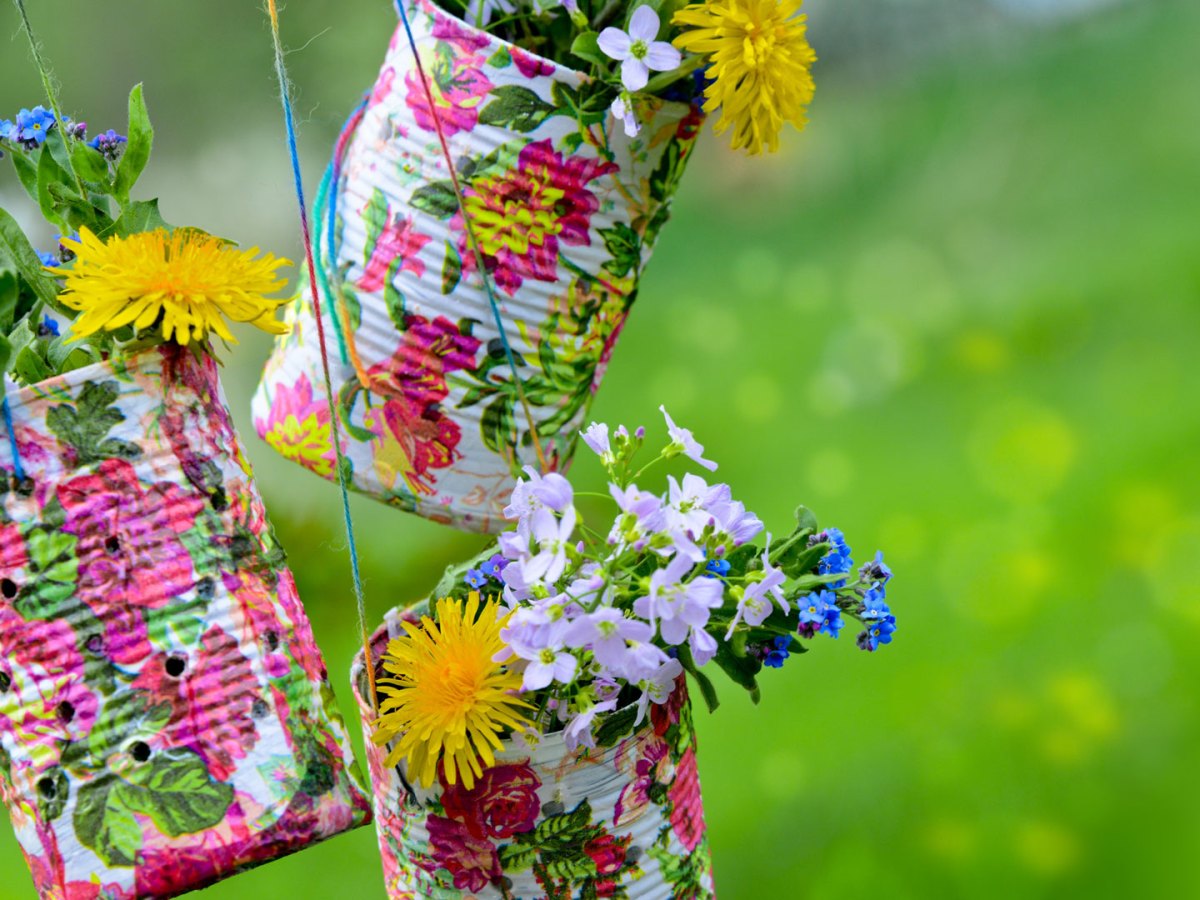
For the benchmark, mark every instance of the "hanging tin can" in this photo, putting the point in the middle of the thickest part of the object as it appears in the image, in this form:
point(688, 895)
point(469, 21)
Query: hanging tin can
point(165, 717)
point(445, 394)
point(623, 819)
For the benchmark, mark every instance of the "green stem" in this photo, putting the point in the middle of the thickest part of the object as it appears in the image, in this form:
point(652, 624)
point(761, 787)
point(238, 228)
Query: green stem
point(48, 86)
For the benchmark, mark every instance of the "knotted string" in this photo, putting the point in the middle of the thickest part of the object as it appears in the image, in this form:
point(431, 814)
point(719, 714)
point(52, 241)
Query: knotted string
point(306, 236)
point(480, 265)
point(18, 469)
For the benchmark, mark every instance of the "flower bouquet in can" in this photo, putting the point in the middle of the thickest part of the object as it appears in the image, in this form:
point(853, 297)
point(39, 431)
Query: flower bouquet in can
point(486, 220)
point(533, 731)
point(165, 715)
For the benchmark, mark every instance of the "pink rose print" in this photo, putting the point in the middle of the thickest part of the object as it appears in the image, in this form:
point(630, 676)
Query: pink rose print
point(522, 216)
point(399, 241)
point(467, 40)
point(503, 802)
point(472, 861)
point(687, 811)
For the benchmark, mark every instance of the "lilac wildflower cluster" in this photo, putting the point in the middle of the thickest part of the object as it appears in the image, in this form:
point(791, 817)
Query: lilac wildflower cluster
point(610, 617)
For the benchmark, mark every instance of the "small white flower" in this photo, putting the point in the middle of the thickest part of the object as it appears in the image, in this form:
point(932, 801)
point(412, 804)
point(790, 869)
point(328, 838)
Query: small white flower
point(637, 50)
point(622, 108)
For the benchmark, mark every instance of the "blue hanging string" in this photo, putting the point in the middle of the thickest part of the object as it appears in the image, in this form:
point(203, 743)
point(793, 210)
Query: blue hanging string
point(18, 469)
point(306, 235)
point(480, 264)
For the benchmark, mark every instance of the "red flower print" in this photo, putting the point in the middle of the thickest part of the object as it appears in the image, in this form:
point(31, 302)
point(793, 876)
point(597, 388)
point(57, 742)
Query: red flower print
point(399, 241)
point(522, 215)
point(608, 852)
point(687, 810)
point(130, 555)
point(414, 436)
point(472, 861)
point(503, 802)
point(12, 550)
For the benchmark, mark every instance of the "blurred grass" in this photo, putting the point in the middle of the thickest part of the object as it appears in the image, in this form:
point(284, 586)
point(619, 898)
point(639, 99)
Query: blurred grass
point(958, 318)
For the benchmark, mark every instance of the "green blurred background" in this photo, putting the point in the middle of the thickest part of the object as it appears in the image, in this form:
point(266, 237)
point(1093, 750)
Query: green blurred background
point(958, 317)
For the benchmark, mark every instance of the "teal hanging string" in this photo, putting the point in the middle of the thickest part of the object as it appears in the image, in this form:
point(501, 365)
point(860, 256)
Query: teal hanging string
point(306, 236)
point(480, 263)
point(18, 469)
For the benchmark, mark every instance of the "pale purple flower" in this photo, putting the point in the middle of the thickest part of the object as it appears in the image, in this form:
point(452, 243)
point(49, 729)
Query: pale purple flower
point(688, 503)
point(606, 632)
point(622, 109)
point(656, 688)
point(540, 491)
point(733, 519)
point(596, 437)
point(755, 605)
point(579, 729)
point(679, 607)
point(552, 537)
point(546, 666)
point(637, 50)
point(530, 629)
point(683, 442)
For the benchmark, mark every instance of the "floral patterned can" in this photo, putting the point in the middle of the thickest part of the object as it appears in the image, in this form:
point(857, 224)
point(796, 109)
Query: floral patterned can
point(165, 716)
point(624, 820)
point(566, 210)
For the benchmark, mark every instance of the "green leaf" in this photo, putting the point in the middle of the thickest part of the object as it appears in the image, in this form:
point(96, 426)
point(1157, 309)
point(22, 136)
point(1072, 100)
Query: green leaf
point(393, 297)
point(137, 148)
point(500, 59)
point(103, 824)
point(89, 163)
point(85, 426)
point(124, 717)
point(625, 247)
point(740, 669)
point(451, 269)
point(26, 173)
point(15, 247)
point(30, 366)
point(516, 107)
point(174, 789)
point(375, 218)
point(586, 46)
point(436, 198)
point(517, 857)
point(137, 217)
point(613, 728)
point(5, 353)
point(50, 174)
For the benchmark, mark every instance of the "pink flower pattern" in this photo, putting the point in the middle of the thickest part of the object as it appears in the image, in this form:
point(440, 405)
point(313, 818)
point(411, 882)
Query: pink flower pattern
point(153, 653)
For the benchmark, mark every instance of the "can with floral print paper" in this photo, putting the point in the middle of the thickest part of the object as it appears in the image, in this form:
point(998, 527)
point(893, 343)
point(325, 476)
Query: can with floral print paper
point(623, 819)
point(165, 715)
point(566, 209)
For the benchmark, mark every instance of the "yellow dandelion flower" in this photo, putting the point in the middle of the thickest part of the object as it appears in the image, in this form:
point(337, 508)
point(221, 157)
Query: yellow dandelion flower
point(445, 698)
point(185, 282)
point(759, 64)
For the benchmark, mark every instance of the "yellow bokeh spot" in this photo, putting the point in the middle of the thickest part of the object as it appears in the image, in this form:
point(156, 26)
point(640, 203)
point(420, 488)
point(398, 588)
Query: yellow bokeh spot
point(1022, 451)
point(981, 351)
point(759, 398)
point(950, 839)
point(1046, 848)
point(1149, 511)
point(830, 472)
